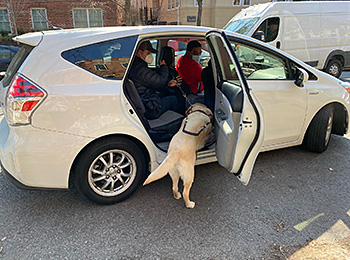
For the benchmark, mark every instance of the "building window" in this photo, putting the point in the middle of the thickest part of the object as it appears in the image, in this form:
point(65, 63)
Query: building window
point(39, 19)
point(236, 2)
point(86, 18)
point(172, 4)
point(246, 2)
point(4, 21)
point(196, 3)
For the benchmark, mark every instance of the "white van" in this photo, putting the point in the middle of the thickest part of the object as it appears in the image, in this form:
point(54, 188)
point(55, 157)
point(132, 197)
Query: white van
point(318, 33)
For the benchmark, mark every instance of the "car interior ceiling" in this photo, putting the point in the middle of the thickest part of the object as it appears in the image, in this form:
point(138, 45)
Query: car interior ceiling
point(162, 129)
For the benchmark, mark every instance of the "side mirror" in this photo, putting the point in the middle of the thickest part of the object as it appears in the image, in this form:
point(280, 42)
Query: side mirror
point(259, 35)
point(301, 77)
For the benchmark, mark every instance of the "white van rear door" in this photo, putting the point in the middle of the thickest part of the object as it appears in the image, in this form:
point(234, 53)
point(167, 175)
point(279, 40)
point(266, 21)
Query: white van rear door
point(238, 115)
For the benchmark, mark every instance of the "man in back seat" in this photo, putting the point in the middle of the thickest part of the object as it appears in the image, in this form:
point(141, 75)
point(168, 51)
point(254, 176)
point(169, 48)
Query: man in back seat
point(148, 83)
point(189, 68)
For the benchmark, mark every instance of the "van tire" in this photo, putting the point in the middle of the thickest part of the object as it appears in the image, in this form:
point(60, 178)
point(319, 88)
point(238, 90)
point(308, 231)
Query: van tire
point(334, 68)
point(110, 170)
point(319, 132)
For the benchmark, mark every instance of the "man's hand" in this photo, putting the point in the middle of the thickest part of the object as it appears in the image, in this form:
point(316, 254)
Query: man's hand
point(179, 80)
point(172, 83)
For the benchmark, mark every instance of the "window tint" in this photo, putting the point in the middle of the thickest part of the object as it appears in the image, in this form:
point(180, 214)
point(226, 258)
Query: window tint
point(107, 59)
point(270, 28)
point(258, 64)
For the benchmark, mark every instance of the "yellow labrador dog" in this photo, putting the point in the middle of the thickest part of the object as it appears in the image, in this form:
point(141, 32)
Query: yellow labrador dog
point(192, 136)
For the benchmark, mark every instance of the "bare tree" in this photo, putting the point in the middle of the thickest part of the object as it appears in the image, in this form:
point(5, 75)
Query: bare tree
point(125, 5)
point(16, 9)
point(200, 9)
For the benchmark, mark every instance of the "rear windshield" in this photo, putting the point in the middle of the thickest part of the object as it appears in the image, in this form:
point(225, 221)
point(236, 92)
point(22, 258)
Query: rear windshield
point(242, 26)
point(16, 63)
point(107, 59)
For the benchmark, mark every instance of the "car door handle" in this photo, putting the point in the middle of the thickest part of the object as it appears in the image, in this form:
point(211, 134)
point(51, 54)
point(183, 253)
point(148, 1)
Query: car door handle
point(220, 114)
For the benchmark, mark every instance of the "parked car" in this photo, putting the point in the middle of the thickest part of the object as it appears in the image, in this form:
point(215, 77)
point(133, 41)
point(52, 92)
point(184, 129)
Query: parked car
point(6, 55)
point(315, 32)
point(73, 118)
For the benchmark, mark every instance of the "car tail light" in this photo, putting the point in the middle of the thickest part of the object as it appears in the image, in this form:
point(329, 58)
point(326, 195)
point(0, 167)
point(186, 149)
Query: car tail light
point(23, 97)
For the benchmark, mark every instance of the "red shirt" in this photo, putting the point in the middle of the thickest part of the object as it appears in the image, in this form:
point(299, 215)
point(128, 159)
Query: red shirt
point(191, 72)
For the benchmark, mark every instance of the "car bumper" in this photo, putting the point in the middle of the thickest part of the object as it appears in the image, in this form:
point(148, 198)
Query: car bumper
point(36, 158)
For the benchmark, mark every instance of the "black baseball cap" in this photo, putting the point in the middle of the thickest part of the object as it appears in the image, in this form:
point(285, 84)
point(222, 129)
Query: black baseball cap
point(146, 45)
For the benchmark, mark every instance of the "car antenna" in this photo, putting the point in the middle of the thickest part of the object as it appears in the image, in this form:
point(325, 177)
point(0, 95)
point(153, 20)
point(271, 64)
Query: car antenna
point(52, 26)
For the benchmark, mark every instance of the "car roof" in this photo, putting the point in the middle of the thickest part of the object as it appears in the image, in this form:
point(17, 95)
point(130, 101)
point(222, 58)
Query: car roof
point(88, 35)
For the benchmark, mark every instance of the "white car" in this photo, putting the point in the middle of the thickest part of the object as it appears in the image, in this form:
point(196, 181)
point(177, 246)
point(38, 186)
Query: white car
point(72, 118)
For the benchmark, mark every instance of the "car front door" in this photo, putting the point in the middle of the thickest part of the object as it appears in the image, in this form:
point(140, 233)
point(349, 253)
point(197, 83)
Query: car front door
point(273, 81)
point(238, 115)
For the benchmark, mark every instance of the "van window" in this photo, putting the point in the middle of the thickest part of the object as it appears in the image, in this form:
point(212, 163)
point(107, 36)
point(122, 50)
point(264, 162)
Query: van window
point(242, 26)
point(16, 63)
point(108, 59)
point(270, 28)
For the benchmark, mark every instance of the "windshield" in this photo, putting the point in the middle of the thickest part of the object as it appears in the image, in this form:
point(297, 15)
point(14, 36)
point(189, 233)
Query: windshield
point(242, 26)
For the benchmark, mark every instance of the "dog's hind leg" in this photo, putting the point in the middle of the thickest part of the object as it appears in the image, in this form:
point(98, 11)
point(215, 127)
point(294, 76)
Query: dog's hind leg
point(188, 180)
point(174, 174)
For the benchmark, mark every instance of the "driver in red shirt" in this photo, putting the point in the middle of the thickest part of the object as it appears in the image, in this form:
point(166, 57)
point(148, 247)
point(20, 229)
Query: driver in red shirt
point(189, 68)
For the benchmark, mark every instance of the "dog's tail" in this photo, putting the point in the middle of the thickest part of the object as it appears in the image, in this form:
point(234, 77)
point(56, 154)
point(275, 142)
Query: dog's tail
point(163, 169)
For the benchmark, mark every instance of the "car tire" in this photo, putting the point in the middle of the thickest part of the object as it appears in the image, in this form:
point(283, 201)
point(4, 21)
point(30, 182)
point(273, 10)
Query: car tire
point(334, 68)
point(319, 132)
point(110, 170)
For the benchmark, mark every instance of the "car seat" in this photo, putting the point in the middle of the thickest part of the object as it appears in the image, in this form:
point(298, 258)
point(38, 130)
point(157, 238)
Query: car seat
point(160, 129)
point(209, 86)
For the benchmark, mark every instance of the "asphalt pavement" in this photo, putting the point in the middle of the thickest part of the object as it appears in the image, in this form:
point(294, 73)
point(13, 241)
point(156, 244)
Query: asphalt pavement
point(297, 202)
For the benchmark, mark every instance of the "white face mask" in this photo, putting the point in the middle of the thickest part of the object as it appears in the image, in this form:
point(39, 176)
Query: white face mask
point(149, 58)
point(196, 58)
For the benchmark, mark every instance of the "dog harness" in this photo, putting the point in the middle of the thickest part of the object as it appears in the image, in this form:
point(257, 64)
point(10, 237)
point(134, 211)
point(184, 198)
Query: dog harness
point(203, 127)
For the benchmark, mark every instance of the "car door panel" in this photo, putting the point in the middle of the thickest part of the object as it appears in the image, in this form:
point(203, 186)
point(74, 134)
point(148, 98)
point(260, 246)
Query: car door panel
point(284, 107)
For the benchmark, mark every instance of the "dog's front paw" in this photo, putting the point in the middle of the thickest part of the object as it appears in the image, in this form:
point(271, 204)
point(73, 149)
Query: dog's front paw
point(190, 205)
point(177, 195)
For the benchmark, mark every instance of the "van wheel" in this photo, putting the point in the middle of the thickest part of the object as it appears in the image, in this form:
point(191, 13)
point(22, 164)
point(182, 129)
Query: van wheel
point(110, 170)
point(334, 68)
point(319, 132)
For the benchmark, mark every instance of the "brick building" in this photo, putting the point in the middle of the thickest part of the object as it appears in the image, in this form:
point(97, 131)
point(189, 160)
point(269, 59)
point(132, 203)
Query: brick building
point(30, 15)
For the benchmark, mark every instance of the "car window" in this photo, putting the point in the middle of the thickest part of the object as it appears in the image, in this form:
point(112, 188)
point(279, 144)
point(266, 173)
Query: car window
point(258, 64)
point(270, 28)
point(181, 47)
point(16, 63)
point(226, 68)
point(155, 44)
point(108, 59)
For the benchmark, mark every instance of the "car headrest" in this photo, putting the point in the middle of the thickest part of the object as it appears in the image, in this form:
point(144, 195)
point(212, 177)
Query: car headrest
point(168, 54)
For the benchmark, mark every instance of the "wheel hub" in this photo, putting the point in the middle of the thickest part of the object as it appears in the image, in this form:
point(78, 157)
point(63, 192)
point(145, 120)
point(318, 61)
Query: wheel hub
point(112, 172)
